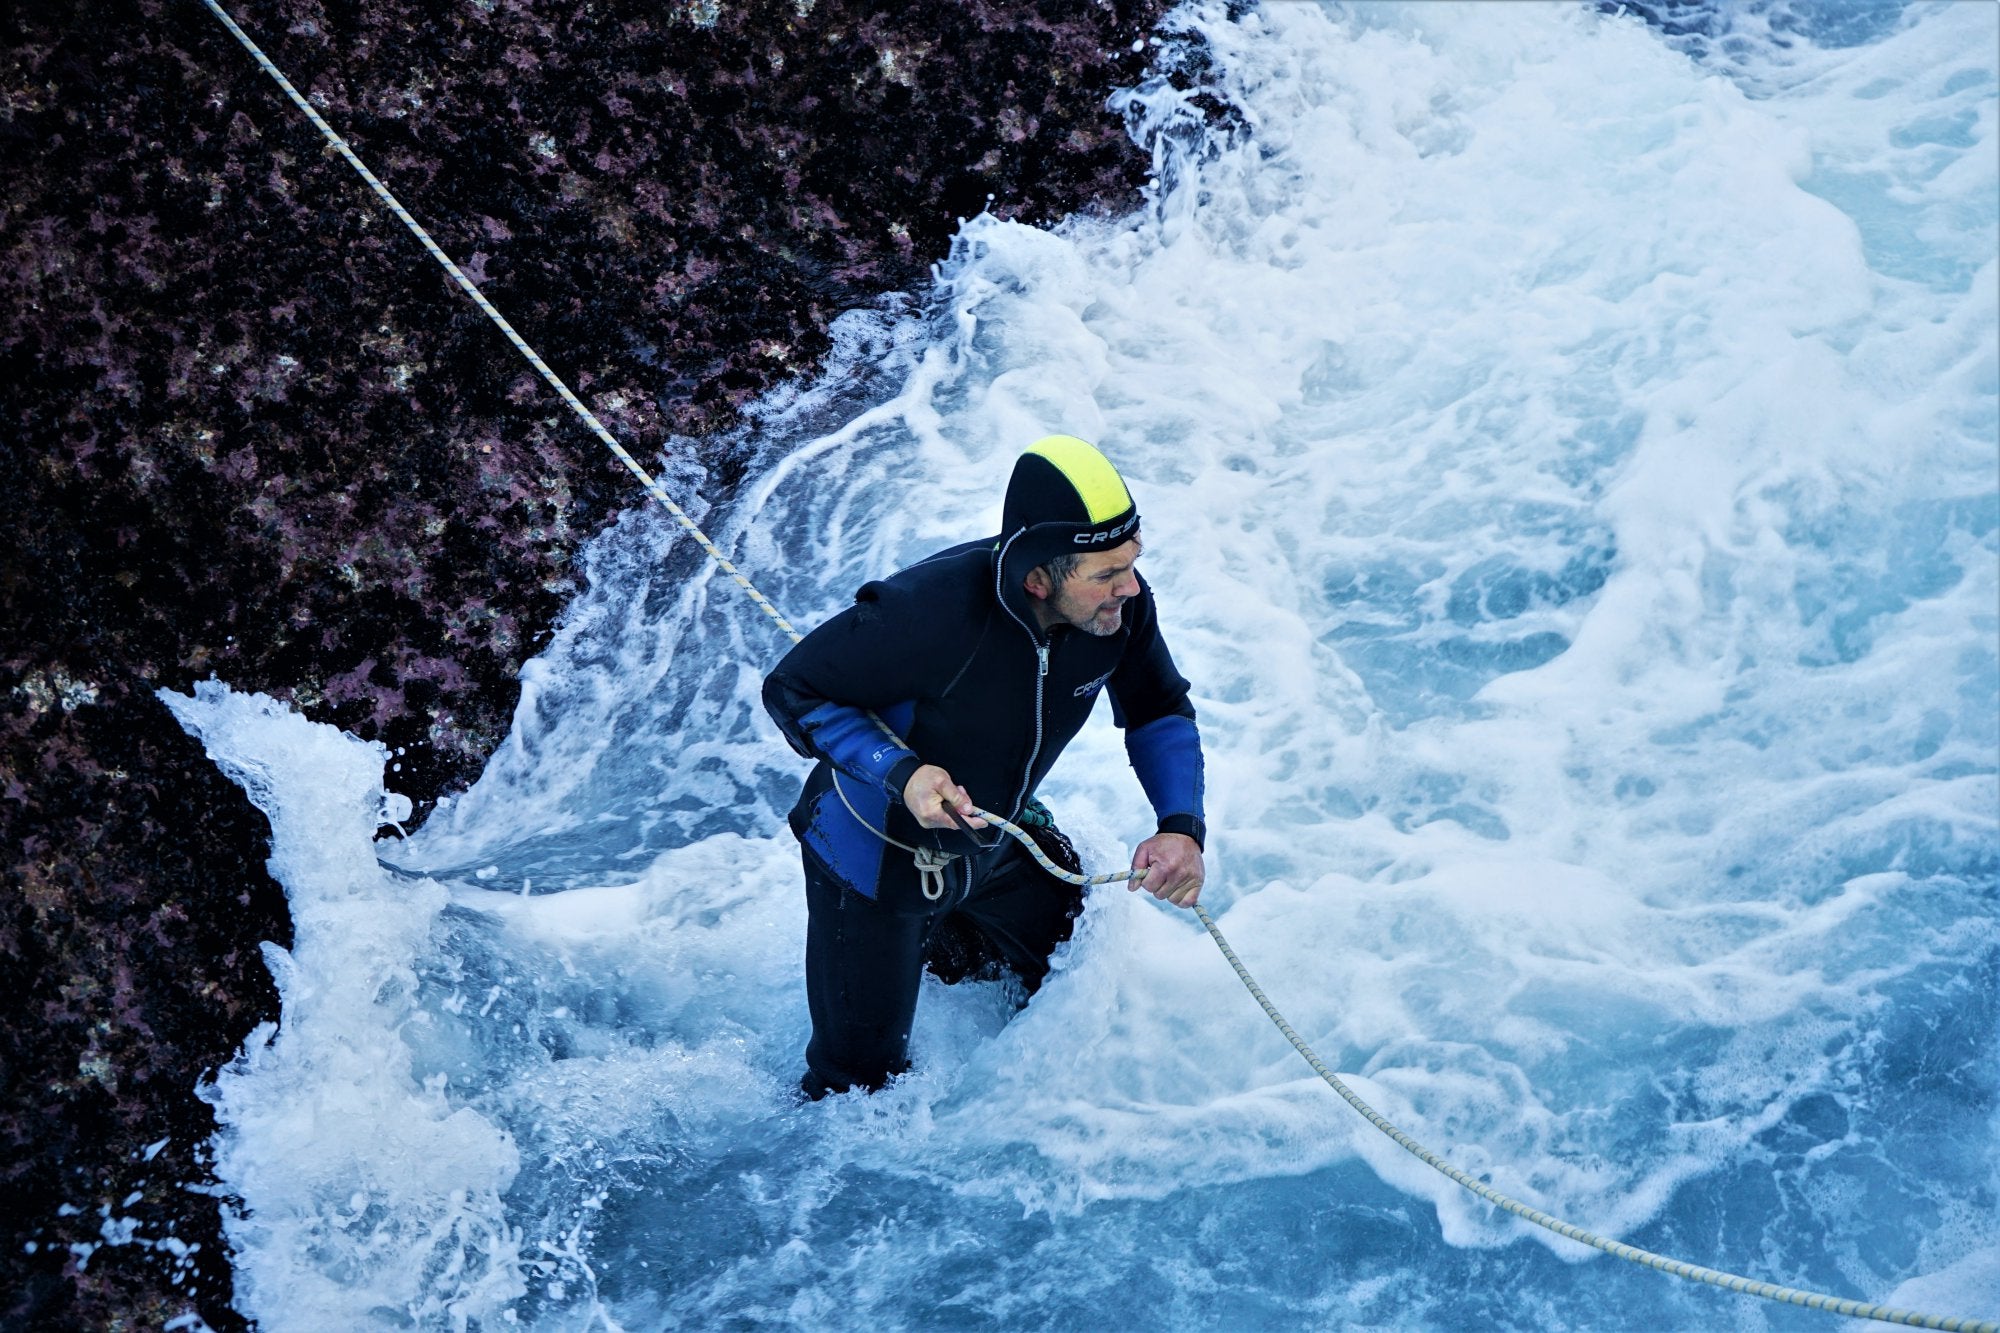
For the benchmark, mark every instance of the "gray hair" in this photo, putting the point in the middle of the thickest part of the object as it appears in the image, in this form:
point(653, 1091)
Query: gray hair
point(1060, 567)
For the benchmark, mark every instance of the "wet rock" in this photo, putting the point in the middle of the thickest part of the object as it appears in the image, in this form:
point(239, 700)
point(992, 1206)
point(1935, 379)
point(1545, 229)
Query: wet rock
point(253, 433)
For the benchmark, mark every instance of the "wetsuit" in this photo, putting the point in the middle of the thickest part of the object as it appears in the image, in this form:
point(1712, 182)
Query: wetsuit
point(949, 656)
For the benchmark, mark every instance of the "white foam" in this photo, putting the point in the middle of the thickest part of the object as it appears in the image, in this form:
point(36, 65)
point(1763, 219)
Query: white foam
point(367, 1193)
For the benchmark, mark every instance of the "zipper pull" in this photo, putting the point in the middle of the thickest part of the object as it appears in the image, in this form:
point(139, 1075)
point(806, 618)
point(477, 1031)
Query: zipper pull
point(1042, 656)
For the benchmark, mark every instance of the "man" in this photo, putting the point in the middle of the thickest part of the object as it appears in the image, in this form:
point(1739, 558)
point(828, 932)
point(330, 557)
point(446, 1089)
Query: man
point(951, 686)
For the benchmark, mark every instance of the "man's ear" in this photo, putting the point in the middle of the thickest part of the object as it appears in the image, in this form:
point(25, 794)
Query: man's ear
point(1037, 583)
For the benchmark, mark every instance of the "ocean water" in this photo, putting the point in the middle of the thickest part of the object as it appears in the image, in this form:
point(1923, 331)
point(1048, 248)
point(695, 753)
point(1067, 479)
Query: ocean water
point(1569, 455)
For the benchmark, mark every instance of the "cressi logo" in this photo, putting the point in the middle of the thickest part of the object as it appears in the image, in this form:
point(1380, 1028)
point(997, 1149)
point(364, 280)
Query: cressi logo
point(1091, 687)
point(1099, 538)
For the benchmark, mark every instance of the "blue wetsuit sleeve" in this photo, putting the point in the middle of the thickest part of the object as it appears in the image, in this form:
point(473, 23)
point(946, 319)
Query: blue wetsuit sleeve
point(1149, 699)
point(862, 660)
point(852, 741)
point(1166, 754)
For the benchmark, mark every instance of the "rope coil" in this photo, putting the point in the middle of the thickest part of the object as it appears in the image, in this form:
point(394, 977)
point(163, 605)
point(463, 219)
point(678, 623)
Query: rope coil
point(1679, 1268)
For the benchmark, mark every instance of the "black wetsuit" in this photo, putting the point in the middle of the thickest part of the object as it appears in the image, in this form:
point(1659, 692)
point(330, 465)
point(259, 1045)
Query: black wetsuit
point(949, 656)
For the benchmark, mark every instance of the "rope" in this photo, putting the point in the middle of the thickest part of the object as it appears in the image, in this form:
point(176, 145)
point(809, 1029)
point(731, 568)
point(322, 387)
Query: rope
point(1694, 1272)
point(1632, 1253)
point(931, 862)
point(1042, 859)
point(589, 418)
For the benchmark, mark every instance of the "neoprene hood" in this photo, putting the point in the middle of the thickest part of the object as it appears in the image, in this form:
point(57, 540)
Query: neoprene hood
point(1065, 498)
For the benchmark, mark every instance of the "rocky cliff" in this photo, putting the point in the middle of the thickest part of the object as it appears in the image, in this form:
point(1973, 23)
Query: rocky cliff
point(251, 432)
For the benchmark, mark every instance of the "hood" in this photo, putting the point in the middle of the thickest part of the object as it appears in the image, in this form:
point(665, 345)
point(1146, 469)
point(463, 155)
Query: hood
point(1064, 498)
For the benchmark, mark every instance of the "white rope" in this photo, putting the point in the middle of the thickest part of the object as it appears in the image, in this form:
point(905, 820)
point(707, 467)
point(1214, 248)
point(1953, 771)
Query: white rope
point(589, 418)
point(931, 862)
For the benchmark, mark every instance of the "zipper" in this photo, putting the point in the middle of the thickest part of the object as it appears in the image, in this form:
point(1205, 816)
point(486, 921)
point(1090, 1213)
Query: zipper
point(1034, 751)
point(1041, 676)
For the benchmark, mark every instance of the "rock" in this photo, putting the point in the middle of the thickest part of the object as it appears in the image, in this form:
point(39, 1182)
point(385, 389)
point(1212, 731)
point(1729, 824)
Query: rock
point(255, 434)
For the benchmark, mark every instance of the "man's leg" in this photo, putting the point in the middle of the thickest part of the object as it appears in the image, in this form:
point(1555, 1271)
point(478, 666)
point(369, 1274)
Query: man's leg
point(1013, 920)
point(863, 966)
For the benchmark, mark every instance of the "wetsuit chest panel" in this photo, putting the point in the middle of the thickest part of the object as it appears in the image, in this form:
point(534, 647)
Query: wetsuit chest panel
point(983, 731)
point(1079, 667)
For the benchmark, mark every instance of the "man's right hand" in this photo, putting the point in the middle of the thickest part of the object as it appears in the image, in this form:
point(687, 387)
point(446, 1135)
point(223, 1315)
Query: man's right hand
point(927, 793)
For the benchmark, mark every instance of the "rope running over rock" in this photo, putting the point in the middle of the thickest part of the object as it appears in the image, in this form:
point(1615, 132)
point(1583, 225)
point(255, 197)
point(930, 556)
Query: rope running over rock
point(1694, 1272)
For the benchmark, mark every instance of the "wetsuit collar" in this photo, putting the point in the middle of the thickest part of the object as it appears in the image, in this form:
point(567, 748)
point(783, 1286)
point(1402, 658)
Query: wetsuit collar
point(1013, 557)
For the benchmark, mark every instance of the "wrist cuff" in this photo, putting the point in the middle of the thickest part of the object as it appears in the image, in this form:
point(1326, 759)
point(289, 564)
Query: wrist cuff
point(1191, 825)
point(899, 776)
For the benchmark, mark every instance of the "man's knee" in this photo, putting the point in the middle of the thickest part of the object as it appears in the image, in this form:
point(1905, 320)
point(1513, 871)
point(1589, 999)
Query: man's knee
point(958, 950)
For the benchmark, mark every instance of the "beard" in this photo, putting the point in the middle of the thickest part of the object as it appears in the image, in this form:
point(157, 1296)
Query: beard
point(1105, 623)
point(1094, 618)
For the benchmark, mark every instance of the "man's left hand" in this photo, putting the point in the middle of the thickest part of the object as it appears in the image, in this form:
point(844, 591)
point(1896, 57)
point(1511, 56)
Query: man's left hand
point(1173, 868)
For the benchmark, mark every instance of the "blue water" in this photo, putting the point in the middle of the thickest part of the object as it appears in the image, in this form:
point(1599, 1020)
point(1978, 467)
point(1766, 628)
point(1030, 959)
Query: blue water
point(1569, 451)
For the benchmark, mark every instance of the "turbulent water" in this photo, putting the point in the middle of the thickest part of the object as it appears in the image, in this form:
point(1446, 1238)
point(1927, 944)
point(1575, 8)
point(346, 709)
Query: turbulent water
point(1568, 455)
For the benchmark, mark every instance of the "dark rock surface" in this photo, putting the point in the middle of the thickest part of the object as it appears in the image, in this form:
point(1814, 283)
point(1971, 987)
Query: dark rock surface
point(250, 431)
